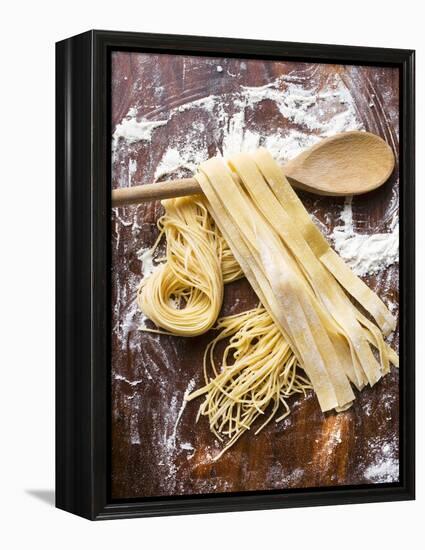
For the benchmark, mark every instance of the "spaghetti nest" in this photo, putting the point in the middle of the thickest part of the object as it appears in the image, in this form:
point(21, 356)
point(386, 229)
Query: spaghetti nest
point(184, 295)
point(256, 375)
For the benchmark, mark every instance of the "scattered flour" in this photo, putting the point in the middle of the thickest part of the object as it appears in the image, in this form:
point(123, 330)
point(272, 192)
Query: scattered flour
point(132, 168)
point(385, 467)
point(129, 320)
point(336, 436)
point(187, 446)
point(294, 102)
point(145, 255)
point(365, 254)
point(134, 420)
point(175, 160)
point(385, 471)
point(167, 448)
point(133, 130)
point(171, 442)
point(279, 476)
point(134, 430)
point(130, 382)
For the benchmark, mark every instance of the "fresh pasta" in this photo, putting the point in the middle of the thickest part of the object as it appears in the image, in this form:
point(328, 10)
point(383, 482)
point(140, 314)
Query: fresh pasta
point(306, 332)
point(184, 295)
point(257, 374)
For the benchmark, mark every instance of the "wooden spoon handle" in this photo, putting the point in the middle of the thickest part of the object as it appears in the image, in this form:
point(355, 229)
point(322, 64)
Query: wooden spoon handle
point(155, 191)
point(158, 191)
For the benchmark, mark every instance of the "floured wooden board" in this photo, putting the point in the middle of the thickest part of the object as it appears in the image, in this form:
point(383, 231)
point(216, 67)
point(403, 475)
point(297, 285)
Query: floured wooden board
point(168, 114)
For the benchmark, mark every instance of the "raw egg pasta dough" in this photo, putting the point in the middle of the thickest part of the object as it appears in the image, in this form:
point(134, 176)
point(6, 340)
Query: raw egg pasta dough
point(184, 295)
point(306, 331)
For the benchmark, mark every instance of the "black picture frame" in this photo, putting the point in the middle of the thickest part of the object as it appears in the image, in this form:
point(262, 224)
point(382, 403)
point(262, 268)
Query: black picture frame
point(83, 206)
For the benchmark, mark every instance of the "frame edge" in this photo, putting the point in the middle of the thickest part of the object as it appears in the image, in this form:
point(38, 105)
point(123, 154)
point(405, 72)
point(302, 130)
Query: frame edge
point(74, 465)
point(80, 186)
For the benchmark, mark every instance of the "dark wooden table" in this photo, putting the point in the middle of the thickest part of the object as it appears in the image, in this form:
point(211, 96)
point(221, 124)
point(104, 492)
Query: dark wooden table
point(157, 449)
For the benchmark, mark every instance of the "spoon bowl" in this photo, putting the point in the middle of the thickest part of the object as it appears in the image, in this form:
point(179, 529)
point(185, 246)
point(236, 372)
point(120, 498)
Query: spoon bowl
point(350, 163)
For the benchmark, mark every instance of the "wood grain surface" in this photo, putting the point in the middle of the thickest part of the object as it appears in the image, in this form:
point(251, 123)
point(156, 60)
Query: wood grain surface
point(157, 448)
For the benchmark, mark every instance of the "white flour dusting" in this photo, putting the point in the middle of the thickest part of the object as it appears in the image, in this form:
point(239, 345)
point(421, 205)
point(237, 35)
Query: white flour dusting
point(129, 321)
point(145, 255)
point(385, 467)
point(187, 446)
point(132, 167)
point(277, 475)
point(365, 254)
point(334, 437)
point(177, 159)
point(133, 130)
point(171, 442)
point(294, 102)
point(134, 420)
point(384, 471)
point(168, 450)
point(134, 430)
point(130, 382)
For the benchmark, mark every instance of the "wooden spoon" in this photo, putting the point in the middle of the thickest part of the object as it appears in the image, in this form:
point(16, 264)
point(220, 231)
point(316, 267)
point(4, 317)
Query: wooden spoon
point(349, 163)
